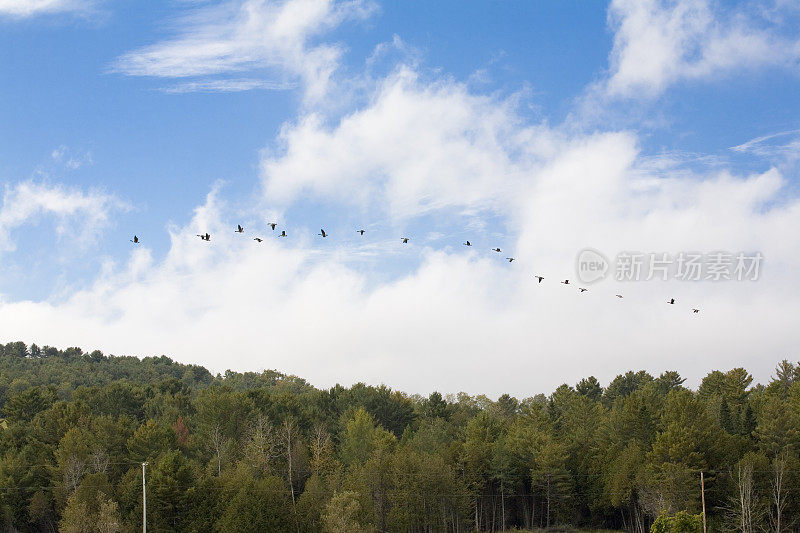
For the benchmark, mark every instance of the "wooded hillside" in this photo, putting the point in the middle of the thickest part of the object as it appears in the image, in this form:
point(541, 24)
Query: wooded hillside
point(269, 452)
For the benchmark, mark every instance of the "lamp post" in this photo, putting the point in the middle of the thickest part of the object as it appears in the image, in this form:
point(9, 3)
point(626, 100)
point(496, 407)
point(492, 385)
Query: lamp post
point(144, 500)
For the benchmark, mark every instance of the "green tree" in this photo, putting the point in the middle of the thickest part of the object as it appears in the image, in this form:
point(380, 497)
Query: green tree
point(22, 407)
point(590, 388)
point(777, 426)
point(668, 381)
point(690, 442)
point(341, 514)
point(476, 458)
point(435, 406)
point(149, 440)
point(90, 510)
point(256, 504)
point(785, 375)
point(624, 384)
point(171, 478)
point(312, 502)
point(358, 439)
point(681, 522)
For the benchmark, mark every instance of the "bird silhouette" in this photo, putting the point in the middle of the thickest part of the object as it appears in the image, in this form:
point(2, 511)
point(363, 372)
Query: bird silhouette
point(671, 301)
point(404, 239)
point(540, 278)
point(582, 289)
point(565, 282)
point(272, 225)
point(205, 237)
point(510, 259)
point(496, 250)
point(135, 240)
point(239, 228)
point(322, 232)
point(257, 239)
point(283, 234)
point(467, 243)
point(618, 296)
point(361, 231)
point(695, 310)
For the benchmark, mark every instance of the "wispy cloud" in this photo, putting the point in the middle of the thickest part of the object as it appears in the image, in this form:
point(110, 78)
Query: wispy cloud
point(31, 8)
point(251, 35)
point(71, 160)
point(784, 145)
point(659, 43)
point(228, 86)
point(80, 213)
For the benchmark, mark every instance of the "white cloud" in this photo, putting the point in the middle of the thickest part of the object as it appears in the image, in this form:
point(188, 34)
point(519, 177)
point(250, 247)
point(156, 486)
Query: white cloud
point(30, 8)
point(782, 146)
point(227, 86)
point(81, 214)
point(250, 35)
point(459, 318)
point(464, 319)
point(418, 147)
point(658, 43)
point(71, 160)
point(58, 153)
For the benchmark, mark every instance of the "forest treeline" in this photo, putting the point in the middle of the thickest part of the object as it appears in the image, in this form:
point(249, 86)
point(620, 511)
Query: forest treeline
point(269, 452)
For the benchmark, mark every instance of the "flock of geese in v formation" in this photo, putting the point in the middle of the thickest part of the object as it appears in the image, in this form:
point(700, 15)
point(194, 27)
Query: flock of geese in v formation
point(404, 240)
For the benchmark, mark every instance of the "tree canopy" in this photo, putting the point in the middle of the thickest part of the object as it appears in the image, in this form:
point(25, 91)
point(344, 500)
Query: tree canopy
point(269, 452)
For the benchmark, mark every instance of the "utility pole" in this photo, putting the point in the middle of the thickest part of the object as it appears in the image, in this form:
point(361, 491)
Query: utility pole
point(703, 497)
point(144, 501)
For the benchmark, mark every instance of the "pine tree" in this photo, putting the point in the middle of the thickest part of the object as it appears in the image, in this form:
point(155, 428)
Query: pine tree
point(725, 420)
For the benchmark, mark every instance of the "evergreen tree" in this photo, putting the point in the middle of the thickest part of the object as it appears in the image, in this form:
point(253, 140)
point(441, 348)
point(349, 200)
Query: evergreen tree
point(590, 388)
point(267, 451)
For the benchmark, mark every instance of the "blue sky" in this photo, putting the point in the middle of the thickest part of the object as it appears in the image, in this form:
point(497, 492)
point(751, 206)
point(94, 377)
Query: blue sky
point(443, 121)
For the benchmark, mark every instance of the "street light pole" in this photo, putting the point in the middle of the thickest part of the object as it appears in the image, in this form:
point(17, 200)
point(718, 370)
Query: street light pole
point(703, 496)
point(144, 501)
